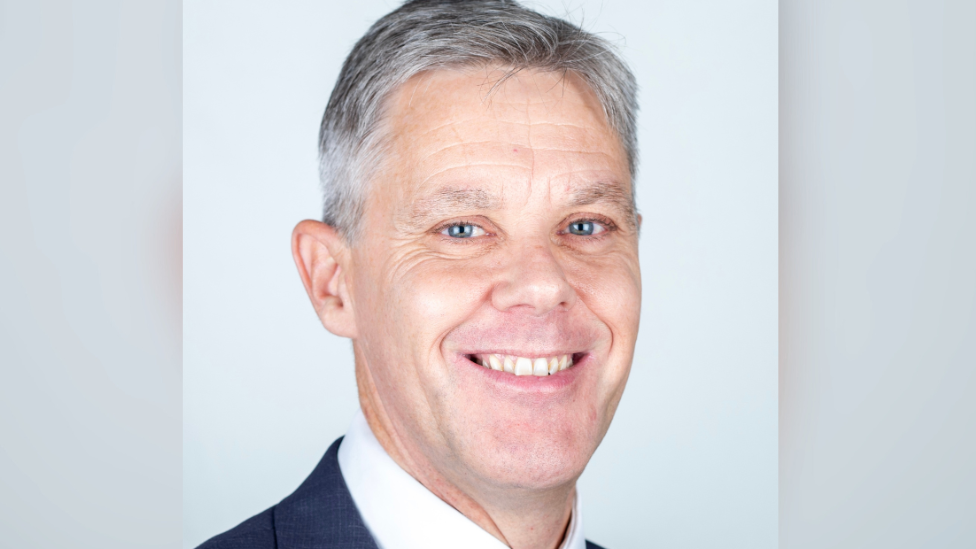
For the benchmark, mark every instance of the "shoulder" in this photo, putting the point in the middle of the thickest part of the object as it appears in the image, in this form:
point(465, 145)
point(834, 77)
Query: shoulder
point(320, 513)
point(591, 545)
point(256, 532)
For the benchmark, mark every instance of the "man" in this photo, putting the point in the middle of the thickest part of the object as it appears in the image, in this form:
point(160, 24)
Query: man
point(479, 248)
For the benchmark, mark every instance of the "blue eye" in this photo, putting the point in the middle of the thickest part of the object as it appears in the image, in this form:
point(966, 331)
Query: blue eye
point(584, 228)
point(463, 231)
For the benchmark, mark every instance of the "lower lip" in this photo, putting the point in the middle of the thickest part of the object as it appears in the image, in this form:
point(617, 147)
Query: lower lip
point(529, 384)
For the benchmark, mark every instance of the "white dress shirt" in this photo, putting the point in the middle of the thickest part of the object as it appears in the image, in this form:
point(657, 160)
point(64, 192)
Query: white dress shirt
point(401, 513)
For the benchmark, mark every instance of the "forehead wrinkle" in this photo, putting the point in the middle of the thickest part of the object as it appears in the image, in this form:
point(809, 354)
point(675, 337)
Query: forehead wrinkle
point(461, 166)
point(440, 172)
point(457, 125)
point(413, 93)
point(527, 147)
point(526, 161)
point(469, 143)
point(451, 124)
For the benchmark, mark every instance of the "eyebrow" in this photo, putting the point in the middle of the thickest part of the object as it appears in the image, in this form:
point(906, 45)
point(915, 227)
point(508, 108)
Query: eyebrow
point(448, 201)
point(604, 191)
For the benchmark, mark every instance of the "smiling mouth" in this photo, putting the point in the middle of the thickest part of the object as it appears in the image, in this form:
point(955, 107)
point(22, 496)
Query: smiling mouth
point(522, 366)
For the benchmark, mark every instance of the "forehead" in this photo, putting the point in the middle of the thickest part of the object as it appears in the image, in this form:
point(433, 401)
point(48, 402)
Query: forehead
point(469, 127)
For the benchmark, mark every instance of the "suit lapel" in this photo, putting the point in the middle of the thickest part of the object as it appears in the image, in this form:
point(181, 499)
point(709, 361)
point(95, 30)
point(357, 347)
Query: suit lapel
point(321, 513)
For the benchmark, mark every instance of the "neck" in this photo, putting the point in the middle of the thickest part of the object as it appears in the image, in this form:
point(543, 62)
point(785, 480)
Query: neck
point(520, 518)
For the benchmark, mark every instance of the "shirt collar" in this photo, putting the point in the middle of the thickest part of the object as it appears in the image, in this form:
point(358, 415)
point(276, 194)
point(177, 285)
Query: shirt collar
point(403, 514)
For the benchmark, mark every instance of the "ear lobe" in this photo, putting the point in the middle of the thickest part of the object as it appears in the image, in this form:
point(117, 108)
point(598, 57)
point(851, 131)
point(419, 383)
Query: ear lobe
point(319, 254)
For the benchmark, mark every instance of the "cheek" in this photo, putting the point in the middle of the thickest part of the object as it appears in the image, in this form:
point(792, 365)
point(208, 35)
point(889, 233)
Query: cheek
point(425, 303)
point(440, 295)
point(412, 302)
point(611, 288)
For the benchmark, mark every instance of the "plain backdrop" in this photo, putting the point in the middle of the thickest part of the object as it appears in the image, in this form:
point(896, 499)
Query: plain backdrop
point(90, 252)
point(877, 277)
point(691, 458)
point(878, 274)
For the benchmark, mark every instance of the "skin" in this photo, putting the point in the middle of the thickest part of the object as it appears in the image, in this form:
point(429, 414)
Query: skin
point(513, 165)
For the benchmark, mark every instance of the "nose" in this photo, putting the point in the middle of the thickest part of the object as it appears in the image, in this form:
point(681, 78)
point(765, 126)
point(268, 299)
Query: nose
point(533, 279)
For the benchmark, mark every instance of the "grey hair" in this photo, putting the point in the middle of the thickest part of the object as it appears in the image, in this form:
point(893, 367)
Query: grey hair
point(424, 35)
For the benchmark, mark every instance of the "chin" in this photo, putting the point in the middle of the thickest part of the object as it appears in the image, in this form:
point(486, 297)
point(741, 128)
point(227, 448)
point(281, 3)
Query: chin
point(548, 450)
point(538, 464)
point(531, 431)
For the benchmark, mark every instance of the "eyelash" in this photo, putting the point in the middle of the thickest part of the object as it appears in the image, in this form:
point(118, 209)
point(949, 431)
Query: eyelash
point(462, 223)
point(607, 225)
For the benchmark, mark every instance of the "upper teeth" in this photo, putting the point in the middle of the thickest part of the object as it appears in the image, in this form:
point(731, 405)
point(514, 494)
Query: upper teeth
point(522, 366)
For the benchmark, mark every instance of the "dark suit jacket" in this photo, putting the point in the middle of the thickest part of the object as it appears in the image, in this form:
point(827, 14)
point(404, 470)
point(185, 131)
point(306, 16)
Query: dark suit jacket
point(319, 515)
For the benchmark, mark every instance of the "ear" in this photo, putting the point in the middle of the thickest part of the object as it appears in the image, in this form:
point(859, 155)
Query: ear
point(321, 255)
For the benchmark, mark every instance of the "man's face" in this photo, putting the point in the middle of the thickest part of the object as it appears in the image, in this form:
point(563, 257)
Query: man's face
point(500, 225)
